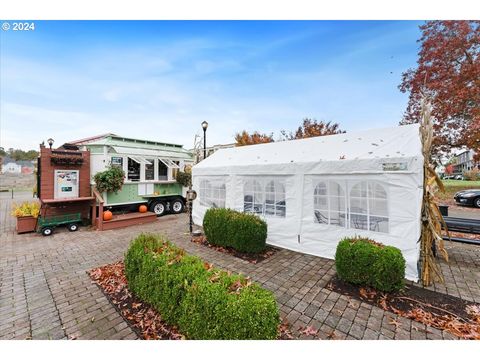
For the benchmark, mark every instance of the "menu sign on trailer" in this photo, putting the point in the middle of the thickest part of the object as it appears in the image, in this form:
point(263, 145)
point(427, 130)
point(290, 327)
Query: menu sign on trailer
point(66, 184)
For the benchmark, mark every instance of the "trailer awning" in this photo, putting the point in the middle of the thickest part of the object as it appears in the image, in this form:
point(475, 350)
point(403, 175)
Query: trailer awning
point(169, 163)
point(140, 160)
point(131, 151)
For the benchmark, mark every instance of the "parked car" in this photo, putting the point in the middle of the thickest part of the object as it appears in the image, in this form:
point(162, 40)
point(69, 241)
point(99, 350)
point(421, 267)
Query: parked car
point(468, 197)
point(459, 177)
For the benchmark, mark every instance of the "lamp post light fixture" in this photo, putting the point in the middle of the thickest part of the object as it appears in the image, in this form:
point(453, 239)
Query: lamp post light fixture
point(50, 142)
point(191, 195)
point(204, 127)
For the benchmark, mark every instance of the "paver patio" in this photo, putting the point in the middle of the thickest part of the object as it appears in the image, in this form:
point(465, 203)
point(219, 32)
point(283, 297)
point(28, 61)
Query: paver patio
point(45, 292)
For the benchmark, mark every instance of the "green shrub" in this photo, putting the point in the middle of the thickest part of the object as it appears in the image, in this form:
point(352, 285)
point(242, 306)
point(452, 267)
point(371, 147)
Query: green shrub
point(354, 260)
point(362, 261)
point(184, 178)
point(204, 302)
point(228, 228)
point(389, 270)
point(217, 227)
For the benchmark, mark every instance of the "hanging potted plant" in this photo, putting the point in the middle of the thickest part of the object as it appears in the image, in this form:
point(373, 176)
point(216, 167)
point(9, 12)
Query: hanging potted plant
point(26, 214)
point(110, 180)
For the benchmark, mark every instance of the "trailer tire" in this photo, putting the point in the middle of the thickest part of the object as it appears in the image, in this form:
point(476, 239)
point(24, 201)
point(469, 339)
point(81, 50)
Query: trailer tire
point(72, 227)
point(177, 206)
point(159, 208)
point(47, 231)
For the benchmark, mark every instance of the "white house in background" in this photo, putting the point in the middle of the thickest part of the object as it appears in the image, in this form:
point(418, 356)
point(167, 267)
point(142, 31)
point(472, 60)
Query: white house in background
point(314, 192)
point(463, 161)
point(11, 168)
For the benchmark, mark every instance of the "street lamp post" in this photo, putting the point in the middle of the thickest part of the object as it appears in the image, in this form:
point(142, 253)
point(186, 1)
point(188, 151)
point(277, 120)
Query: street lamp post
point(204, 127)
point(191, 195)
point(50, 142)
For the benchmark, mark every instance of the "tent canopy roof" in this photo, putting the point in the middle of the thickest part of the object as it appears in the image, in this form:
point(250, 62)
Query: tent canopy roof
point(396, 142)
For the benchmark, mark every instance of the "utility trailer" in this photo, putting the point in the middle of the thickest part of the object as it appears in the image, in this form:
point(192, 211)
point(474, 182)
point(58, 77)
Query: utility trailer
point(47, 224)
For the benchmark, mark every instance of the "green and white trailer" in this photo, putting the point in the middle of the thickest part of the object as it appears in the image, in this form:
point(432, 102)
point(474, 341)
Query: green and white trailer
point(150, 169)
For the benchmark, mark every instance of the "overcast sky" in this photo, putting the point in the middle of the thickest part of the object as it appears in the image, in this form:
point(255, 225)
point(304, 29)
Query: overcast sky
point(159, 80)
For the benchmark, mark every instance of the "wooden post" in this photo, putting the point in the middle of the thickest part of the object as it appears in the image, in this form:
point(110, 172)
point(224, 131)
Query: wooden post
point(100, 217)
point(94, 213)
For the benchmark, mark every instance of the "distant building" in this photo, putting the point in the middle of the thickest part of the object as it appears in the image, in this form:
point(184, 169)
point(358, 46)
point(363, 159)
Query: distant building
point(11, 168)
point(198, 151)
point(463, 161)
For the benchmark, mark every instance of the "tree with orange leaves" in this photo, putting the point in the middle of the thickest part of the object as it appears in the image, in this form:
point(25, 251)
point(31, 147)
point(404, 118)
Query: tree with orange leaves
point(312, 128)
point(244, 138)
point(309, 128)
point(448, 72)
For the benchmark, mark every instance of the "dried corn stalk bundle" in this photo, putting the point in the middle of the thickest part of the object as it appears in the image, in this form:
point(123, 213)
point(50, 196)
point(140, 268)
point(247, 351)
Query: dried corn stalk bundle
point(432, 220)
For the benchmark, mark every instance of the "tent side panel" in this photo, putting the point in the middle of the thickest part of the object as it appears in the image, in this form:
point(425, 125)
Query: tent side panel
point(404, 204)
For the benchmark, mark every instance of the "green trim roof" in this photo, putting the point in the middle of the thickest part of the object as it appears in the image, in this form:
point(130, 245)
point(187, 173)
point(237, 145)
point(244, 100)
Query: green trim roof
point(112, 140)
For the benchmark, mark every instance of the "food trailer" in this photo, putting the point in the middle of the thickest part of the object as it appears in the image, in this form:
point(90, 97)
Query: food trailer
point(67, 191)
point(150, 169)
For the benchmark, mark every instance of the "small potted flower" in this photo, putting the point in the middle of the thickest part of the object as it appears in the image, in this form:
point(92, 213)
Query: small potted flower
point(26, 214)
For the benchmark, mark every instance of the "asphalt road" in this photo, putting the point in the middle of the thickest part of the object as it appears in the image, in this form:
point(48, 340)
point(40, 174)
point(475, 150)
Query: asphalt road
point(464, 212)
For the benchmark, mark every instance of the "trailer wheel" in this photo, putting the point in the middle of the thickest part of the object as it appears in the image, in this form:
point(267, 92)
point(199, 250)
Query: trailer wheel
point(177, 206)
point(158, 208)
point(47, 231)
point(73, 227)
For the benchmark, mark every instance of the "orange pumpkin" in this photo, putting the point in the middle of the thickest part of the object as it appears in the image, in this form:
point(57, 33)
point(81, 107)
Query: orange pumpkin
point(142, 208)
point(107, 215)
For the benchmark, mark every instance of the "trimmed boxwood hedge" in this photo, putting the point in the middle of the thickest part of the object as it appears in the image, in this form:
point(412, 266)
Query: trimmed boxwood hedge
point(362, 261)
point(229, 228)
point(202, 301)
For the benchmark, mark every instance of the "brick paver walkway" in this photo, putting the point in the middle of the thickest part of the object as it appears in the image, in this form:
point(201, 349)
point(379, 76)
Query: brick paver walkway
point(45, 292)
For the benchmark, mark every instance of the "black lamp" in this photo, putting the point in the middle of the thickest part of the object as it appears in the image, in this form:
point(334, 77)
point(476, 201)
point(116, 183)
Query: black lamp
point(50, 142)
point(191, 195)
point(204, 127)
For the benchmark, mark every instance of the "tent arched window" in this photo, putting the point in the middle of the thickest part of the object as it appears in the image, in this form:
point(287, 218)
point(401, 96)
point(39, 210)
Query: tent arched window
point(212, 193)
point(329, 203)
point(369, 207)
point(275, 199)
point(264, 197)
point(204, 192)
point(253, 197)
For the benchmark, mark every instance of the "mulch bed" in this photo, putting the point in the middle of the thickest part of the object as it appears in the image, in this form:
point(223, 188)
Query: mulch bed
point(142, 318)
point(251, 258)
point(445, 312)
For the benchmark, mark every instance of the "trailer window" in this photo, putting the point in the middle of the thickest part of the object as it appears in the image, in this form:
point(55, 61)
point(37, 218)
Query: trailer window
point(162, 171)
point(133, 170)
point(149, 169)
point(176, 169)
point(117, 161)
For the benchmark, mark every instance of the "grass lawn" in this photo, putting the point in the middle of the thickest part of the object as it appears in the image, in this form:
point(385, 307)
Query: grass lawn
point(452, 186)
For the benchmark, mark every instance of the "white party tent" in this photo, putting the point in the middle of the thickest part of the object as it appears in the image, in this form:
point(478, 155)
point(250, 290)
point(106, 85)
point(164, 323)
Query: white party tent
point(314, 192)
